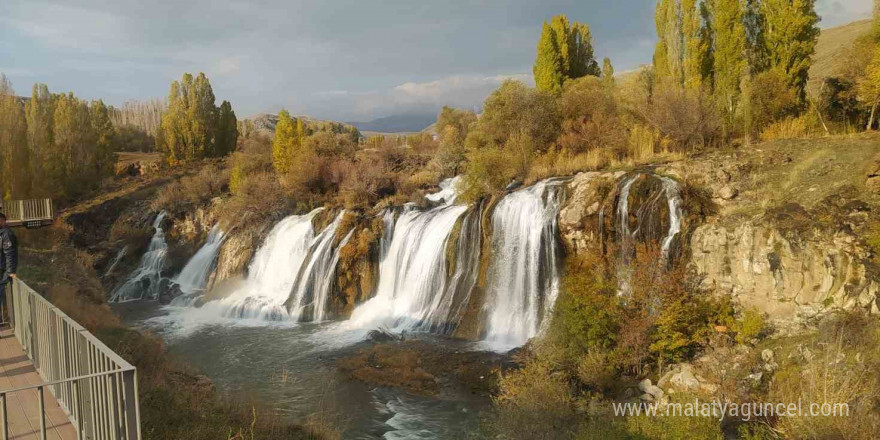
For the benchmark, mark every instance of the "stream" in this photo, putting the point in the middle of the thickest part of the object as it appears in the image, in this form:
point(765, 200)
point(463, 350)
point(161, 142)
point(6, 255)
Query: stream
point(285, 366)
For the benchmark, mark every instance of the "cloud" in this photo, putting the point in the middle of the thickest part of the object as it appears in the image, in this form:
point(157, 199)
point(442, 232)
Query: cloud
point(370, 59)
point(463, 91)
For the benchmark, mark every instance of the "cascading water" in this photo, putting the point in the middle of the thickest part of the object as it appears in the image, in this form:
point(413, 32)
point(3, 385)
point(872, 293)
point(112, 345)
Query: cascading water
point(449, 308)
point(523, 282)
point(272, 273)
point(413, 273)
point(193, 278)
point(311, 292)
point(115, 262)
point(144, 282)
point(646, 217)
point(673, 198)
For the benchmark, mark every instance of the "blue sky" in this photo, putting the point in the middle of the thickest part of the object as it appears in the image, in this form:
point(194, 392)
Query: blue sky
point(338, 59)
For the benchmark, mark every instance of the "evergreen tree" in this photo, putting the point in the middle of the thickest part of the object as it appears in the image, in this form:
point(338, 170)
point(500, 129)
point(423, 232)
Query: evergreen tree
point(730, 50)
point(227, 130)
point(14, 157)
point(548, 68)
point(790, 35)
point(607, 73)
point(582, 61)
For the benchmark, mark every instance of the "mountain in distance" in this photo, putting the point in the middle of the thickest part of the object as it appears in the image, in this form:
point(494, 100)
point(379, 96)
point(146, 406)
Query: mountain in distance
point(399, 123)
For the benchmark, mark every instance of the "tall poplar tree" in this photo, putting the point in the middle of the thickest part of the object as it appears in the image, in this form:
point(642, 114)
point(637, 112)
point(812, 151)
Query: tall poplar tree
point(14, 157)
point(40, 112)
point(607, 73)
point(548, 68)
point(662, 69)
point(289, 135)
point(729, 59)
point(790, 34)
point(565, 51)
point(695, 48)
point(105, 134)
point(190, 124)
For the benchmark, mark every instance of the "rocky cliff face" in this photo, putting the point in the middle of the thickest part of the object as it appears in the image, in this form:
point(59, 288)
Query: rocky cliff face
point(776, 229)
point(786, 278)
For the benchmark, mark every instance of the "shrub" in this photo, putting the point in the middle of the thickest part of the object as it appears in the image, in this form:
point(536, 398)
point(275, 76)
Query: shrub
point(489, 170)
point(515, 108)
point(751, 326)
point(688, 118)
point(771, 99)
point(586, 313)
point(191, 192)
point(534, 403)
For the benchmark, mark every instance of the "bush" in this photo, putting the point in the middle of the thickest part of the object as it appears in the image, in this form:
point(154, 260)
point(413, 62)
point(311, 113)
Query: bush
point(770, 99)
point(534, 403)
point(191, 192)
point(750, 327)
point(586, 315)
point(688, 118)
point(515, 108)
point(489, 170)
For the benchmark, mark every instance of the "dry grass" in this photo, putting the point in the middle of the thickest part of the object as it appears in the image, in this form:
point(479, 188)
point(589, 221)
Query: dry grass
point(839, 366)
point(788, 128)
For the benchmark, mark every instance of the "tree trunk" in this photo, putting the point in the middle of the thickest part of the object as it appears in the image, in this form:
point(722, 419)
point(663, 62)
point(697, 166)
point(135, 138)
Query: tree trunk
point(871, 119)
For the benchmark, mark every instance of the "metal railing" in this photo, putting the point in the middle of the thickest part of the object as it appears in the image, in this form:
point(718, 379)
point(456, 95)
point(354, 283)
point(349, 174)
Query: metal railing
point(35, 212)
point(93, 385)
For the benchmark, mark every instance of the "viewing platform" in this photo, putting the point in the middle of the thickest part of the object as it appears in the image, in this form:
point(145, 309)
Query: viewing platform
point(29, 213)
point(58, 381)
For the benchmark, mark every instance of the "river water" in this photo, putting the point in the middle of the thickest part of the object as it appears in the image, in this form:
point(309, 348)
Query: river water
point(287, 367)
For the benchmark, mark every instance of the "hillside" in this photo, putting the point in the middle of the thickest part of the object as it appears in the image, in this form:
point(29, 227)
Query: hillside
point(400, 123)
point(828, 50)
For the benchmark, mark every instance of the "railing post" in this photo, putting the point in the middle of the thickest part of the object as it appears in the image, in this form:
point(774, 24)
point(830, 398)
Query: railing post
point(42, 413)
point(5, 419)
point(131, 406)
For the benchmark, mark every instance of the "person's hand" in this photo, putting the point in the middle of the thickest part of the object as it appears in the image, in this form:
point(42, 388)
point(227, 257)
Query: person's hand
point(12, 275)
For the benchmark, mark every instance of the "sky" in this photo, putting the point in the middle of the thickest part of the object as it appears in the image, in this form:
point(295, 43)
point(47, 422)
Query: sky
point(348, 60)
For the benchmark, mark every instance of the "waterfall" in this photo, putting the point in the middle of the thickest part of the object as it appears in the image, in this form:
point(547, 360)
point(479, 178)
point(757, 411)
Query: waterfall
point(647, 218)
point(272, 273)
point(291, 276)
point(523, 281)
point(115, 261)
point(673, 199)
point(389, 218)
point(144, 282)
point(194, 277)
point(413, 274)
point(312, 289)
point(449, 308)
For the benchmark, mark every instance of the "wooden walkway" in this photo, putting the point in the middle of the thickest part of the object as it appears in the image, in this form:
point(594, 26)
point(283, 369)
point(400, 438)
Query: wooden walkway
point(23, 407)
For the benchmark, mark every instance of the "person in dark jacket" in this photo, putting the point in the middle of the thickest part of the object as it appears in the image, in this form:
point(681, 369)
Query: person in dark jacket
point(8, 259)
